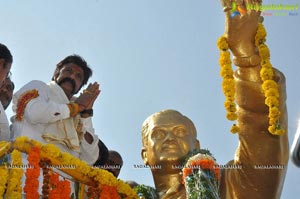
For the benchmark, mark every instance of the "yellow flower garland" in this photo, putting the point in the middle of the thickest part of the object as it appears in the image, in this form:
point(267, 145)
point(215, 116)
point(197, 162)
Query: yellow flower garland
point(83, 171)
point(14, 188)
point(3, 180)
point(228, 84)
point(4, 147)
point(269, 86)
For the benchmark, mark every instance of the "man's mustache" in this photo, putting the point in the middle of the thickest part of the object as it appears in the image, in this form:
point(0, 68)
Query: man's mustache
point(71, 81)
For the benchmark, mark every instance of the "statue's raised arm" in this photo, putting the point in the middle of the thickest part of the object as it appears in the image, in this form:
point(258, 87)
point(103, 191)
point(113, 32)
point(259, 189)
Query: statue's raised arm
point(261, 110)
point(255, 97)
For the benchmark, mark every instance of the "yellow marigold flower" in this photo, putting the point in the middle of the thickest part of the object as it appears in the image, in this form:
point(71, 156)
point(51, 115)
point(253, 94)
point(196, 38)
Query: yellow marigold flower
point(228, 82)
point(15, 195)
point(83, 167)
point(227, 67)
point(16, 157)
point(19, 142)
point(93, 172)
point(269, 84)
point(66, 158)
point(279, 132)
point(274, 112)
point(4, 147)
point(234, 129)
point(224, 58)
point(226, 72)
point(125, 188)
point(231, 116)
point(36, 143)
point(228, 86)
point(266, 63)
point(266, 74)
point(272, 129)
point(260, 34)
point(273, 120)
point(229, 93)
point(3, 179)
point(14, 188)
point(106, 178)
point(232, 109)
point(52, 150)
point(76, 162)
point(272, 92)
point(229, 104)
point(264, 51)
point(222, 43)
point(271, 101)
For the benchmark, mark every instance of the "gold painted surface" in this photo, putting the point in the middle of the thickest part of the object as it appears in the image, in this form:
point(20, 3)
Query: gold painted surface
point(168, 136)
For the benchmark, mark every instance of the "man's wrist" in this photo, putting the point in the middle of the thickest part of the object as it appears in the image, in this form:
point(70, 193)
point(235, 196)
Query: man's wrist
point(73, 108)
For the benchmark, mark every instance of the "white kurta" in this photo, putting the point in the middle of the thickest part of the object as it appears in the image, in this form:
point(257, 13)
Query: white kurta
point(4, 125)
point(46, 119)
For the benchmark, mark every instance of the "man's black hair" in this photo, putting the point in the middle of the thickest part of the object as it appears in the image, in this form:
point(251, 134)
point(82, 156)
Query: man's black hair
point(103, 154)
point(5, 54)
point(79, 61)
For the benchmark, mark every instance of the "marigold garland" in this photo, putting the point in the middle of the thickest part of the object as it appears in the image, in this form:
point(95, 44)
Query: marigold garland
point(59, 189)
point(23, 101)
point(3, 180)
point(100, 176)
point(93, 192)
point(46, 178)
point(4, 147)
point(14, 188)
point(269, 86)
point(228, 84)
point(203, 161)
point(32, 173)
point(109, 192)
point(201, 176)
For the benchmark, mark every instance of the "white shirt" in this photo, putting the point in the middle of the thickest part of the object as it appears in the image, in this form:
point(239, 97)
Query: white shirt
point(4, 125)
point(46, 118)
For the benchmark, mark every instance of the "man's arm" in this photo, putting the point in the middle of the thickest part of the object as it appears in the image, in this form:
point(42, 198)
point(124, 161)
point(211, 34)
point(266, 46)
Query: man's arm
point(33, 103)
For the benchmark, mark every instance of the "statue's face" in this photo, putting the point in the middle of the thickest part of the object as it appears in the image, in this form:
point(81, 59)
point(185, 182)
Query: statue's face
point(169, 140)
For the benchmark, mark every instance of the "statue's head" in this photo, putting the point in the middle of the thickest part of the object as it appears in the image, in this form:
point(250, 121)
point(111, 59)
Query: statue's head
point(168, 136)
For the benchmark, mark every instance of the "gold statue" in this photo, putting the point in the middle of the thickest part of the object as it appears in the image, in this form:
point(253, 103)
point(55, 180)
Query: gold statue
point(168, 136)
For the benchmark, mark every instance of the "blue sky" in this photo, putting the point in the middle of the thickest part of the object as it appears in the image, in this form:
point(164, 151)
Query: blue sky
point(147, 55)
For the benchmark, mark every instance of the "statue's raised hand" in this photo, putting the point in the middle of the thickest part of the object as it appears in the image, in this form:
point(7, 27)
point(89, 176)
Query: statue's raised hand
point(241, 25)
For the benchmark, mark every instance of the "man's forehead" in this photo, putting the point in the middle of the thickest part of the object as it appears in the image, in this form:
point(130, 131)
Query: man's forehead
point(74, 67)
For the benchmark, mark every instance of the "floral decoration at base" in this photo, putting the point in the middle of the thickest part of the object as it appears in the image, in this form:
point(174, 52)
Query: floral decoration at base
point(201, 176)
point(146, 192)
